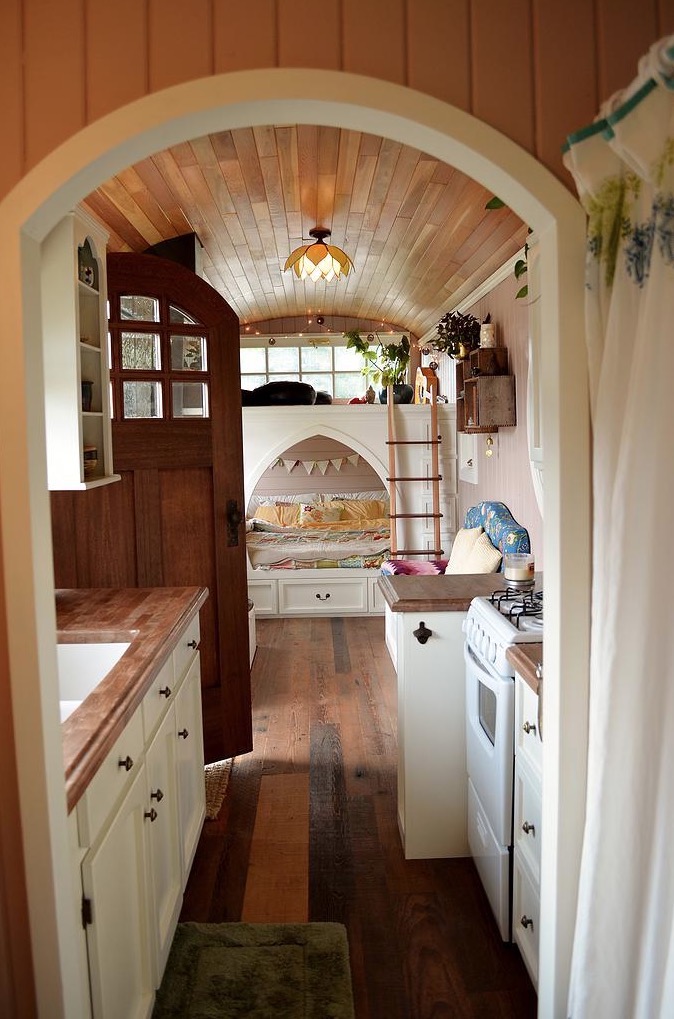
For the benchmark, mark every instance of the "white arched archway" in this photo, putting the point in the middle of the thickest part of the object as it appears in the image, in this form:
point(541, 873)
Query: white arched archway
point(28, 213)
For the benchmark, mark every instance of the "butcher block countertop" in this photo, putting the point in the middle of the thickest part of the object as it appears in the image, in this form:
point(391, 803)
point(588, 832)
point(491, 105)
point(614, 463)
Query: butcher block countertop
point(152, 619)
point(524, 658)
point(437, 592)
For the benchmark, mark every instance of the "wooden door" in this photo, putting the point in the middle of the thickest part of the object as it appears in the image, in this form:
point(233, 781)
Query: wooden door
point(172, 521)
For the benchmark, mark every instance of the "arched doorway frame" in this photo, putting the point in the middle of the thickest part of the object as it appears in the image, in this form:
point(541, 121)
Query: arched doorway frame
point(27, 214)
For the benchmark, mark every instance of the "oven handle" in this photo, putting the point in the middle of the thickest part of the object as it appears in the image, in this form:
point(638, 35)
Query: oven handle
point(484, 676)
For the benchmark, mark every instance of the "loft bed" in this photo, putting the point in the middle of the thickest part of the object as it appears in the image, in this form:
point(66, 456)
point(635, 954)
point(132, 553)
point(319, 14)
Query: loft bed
point(317, 501)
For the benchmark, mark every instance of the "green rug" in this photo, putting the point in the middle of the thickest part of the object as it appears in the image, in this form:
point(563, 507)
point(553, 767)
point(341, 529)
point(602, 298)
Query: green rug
point(257, 971)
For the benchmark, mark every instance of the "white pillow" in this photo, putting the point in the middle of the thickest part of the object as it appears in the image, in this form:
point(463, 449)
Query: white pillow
point(462, 547)
point(482, 558)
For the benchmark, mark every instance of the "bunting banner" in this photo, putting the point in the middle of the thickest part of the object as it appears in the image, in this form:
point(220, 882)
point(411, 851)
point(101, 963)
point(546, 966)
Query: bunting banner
point(322, 465)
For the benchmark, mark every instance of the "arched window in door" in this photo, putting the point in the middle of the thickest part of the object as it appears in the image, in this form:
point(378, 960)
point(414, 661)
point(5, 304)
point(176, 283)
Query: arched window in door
point(159, 360)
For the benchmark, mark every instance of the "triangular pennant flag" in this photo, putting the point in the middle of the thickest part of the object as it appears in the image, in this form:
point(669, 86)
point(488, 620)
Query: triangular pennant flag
point(353, 459)
point(289, 464)
point(337, 464)
point(322, 465)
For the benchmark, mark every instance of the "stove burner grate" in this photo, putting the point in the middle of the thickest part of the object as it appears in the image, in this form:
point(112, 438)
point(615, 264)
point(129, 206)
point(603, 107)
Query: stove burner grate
point(516, 604)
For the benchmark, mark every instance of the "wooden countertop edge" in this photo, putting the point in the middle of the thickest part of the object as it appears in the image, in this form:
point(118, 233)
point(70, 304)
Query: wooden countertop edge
point(524, 658)
point(90, 732)
point(437, 592)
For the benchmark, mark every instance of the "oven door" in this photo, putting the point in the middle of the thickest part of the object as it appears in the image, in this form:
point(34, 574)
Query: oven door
point(490, 718)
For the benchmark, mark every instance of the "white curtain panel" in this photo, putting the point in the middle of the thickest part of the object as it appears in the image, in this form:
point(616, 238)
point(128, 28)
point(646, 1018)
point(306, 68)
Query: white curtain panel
point(623, 165)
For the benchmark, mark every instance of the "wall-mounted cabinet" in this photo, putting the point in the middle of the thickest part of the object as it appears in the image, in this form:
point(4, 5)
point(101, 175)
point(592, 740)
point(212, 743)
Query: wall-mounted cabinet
point(75, 329)
point(485, 392)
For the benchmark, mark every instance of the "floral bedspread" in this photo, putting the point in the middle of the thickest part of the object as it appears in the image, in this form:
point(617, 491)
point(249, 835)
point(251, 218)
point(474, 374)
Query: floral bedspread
point(271, 547)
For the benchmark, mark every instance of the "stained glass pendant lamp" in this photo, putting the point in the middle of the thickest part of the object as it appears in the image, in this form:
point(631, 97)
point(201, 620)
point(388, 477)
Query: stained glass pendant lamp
point(318, 260)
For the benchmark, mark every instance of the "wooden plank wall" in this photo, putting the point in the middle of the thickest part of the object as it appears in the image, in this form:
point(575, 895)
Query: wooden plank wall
point(534, 69)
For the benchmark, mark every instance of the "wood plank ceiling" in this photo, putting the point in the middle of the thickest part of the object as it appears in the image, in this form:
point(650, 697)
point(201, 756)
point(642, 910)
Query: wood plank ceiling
point(416, 229)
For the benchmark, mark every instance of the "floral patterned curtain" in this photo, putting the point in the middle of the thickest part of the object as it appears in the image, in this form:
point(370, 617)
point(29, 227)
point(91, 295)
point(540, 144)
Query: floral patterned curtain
point(623, 165)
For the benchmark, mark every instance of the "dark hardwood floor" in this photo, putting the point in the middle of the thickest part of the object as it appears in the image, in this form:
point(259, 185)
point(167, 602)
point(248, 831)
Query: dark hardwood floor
point(308, 831)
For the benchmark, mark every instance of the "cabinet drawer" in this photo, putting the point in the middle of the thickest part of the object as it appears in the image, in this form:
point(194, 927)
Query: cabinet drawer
point(332, 597)
point(527, 738)
point(527, 818)
point(112, 779)
point(186, 649)
point(263, 595)
point(159, 695)
point(526, 916)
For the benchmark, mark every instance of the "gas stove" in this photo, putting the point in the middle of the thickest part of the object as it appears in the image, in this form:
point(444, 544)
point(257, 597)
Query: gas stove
point(508, 616)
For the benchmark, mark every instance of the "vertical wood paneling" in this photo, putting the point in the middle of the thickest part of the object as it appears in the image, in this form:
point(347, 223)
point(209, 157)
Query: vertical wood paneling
point(147, 518)
point(64, 538)
point(104, 520)
point(53, 74)
point(374, 39)
point(502, 68)
point(305, 40)
point(438, 49)
point(665, 10)
point(11, 93)
point(244, 35)
point(625, 32)
point(563, 35)
point(507, 476)
point(180, 41)
point(116, 52)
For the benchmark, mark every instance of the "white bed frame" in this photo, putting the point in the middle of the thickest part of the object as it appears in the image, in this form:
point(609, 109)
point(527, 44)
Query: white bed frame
point(269, 431)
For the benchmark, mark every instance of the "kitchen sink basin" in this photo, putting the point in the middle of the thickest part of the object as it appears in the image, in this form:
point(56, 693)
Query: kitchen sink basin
point(81, 667)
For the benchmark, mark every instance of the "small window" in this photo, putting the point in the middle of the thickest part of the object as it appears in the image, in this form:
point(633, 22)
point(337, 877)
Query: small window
point(140, 309)
point(142, 400)
point(283, 359)
point(190, 399)
point(140, 352)
point(178, 316)
point(253, 359)
point(316, 359)
point(188, 353)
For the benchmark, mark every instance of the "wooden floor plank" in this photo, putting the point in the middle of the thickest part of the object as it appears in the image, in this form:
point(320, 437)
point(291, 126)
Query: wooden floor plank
point(277, 888)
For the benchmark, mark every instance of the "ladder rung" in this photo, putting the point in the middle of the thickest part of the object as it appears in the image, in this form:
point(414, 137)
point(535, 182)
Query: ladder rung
point(414, 442)
point(418, 551)
point(437, 477)
point(416, 516)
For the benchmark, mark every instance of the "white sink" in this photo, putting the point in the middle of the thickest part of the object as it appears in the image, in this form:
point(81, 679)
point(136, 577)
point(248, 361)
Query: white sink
point(81, 667)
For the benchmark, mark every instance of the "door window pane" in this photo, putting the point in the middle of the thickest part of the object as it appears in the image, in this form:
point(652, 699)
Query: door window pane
point(188, 353)
point(316, 359)
point(284, 359)
point(190, 399)
point(180, 317)
point(142, 400)
point(140, 351)
point(141, 309)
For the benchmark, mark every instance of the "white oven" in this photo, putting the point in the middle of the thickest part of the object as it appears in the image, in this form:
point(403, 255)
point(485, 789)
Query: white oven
point(491, 626)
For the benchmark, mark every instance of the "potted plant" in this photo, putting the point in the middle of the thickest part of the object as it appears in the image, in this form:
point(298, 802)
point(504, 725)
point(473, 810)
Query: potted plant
point(457, 334)
point(385, 363)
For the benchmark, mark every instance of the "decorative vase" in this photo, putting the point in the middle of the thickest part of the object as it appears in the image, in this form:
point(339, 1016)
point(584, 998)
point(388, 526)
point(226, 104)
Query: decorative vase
point(487, 335)
point(402, 393)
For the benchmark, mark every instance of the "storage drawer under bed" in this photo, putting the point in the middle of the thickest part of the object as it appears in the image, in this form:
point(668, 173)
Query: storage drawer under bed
point(330, 597)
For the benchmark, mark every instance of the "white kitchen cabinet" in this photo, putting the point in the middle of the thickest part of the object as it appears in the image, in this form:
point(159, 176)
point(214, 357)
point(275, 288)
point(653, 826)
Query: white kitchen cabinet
point(75, 350)
point(189, 766)
point(527, 825)
point(115, 883)
point(138, 825)
point(432, 807)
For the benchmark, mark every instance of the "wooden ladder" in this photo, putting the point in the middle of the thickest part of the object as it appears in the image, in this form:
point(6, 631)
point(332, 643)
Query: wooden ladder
point(426, 391)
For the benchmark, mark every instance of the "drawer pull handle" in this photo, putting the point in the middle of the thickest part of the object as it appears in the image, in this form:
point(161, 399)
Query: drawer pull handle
point(529, 727)
point(126, 763)
point(184, 733)
point(529, 829)
point(151, 814)
point(323, 597)
point(526, 921)
point(165, 692)
point(158, 796)
point(193, 644)
point(422, 633)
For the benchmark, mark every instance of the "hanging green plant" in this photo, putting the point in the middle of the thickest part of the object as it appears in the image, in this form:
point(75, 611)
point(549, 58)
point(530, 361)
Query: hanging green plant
point(521, 265)
point(457, 335)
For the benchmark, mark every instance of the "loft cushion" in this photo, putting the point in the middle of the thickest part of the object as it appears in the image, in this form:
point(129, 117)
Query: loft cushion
point(283, 393)
point(319, 513)
point(482, 558)
point(503, 530)
point(462, 547)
